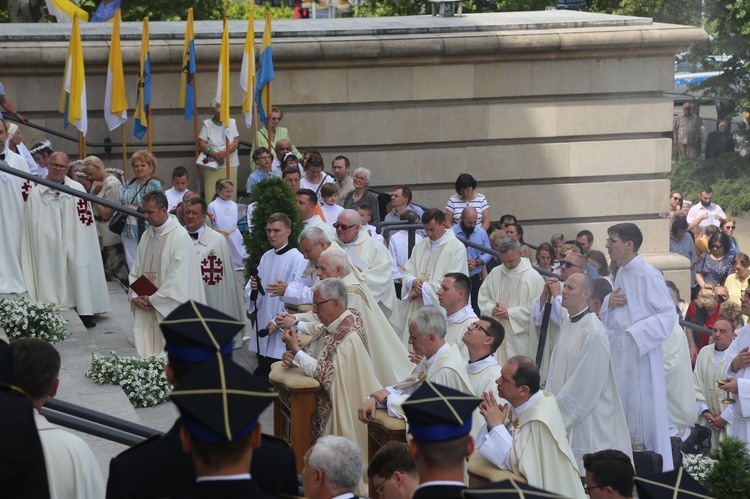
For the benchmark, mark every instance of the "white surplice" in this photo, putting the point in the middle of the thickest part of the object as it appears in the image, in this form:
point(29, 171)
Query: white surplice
point(316, 221)
point(482, 375)
point(636, 332)
point(285, 264)
point(582, 379)
point(373, 261)
point(13, 194)
point(515, 289)
point(224, 217)
point(557, 316)
point(739, 412)
point(167, 257)
point(430, 261)
point(710, 366)
point(533, 444)
point(60, 255)
point(678, 374)
point(456, 326)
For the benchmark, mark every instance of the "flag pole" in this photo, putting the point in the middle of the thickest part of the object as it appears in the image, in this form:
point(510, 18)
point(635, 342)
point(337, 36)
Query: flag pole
point(81, 145)
point(124, 154)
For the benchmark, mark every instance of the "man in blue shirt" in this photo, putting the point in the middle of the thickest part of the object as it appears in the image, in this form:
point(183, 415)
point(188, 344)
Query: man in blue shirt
point(467, 229)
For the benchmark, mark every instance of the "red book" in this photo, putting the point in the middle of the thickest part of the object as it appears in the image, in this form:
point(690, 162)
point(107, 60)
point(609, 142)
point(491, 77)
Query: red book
point(142, 286)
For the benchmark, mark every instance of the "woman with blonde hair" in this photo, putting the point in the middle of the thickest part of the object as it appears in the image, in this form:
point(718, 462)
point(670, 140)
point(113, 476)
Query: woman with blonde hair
point(143, 164)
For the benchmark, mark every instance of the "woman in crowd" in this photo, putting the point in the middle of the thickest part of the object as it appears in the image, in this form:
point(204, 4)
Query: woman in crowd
point(212, 142)
point(15, 144)
point(315, 177)
point(544, 256)
point(360, 195)
point(515, 231)
point(675, 203)
point(736, 283)
point(599, 261)
point(703, 311)
point(557, 241)
point(276, 132)
point(714, 266)
point(727, 227)
point(143, 164)
point(506, 220)
point(467, 196)
point(701, 240)
point(495, 239)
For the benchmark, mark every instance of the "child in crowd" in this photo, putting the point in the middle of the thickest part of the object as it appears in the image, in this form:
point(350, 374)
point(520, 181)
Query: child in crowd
point(223, 213)
point(180, 180)
point(366, 213)
point(331, 210)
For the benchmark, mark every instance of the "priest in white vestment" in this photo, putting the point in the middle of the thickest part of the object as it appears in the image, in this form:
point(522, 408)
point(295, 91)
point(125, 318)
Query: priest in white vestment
point(389, 356)
point(573, 263)
point(582, 378)
point(431, 259)
point(215, 261)
point(453, 295)
point(343, 366)
point(506, 294)
point(710, 367)
point(13, 194)
point(441, 363)
point(481, 340)
point(373, 262)
point(737, 415)
point(532, 442)
point(72, 470)
point(60, 256)
point(167, 258)
point(282, 262)
point(638, 316)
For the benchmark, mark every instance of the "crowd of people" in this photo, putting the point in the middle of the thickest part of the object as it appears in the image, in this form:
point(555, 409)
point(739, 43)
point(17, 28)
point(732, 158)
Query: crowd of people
point(558, 364)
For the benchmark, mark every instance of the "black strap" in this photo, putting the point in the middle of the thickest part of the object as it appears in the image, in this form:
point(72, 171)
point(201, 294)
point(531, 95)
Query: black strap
point(543, 333)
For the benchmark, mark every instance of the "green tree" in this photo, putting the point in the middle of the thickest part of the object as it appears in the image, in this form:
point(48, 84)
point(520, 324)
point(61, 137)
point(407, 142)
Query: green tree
point(663, 11)
point(730, 477)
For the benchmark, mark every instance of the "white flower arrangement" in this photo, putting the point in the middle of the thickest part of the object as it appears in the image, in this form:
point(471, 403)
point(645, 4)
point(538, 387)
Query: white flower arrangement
point(699, 466)
point(143, 380)
point(23, 318)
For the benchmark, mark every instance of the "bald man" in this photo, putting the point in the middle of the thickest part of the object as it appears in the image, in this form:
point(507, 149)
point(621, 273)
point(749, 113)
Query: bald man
point(468, 229)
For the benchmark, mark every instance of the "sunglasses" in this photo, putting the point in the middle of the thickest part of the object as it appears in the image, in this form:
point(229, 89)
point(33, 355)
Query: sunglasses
point(568, 265)
point(342, 226)
point(677, 199)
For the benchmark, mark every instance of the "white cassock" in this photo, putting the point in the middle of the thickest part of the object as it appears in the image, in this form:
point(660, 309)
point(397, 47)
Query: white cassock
point(316, 221)
point(13, 193)
point(444, 368)
point(710, 366)
point(430, 261)
point(557, 316)
point(636, 332)
point(72, 470)
point(374, 264)
point(390, 359)
point(398, 247)
point(285, 265)
point(299, 291)
point(60, 253)
point(678, 374)
point(167, 257)
point(217, 274)
point(738, 413)
point(456, 326)
point(224, 221)
point(515, 289)
point(174, 197)
point(482, 376)
point(533, 444)
point(582, 379)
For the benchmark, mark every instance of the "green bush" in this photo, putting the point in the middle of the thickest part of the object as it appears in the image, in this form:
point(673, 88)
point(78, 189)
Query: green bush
point(271, 196)
point(730, 477)
point(728, 176)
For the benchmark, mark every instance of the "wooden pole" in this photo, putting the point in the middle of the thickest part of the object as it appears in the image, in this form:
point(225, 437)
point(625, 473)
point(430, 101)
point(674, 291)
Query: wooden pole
point(148, 130)
point(195, 131)
point(124, 154)
point(226, 155)
point(81, 145)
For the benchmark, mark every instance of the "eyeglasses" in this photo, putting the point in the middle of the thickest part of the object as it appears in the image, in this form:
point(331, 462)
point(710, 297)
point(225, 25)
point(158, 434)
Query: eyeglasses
point(567, 265)
point(343, 227)
point(379, 488)
point(57, 165)
point(317, 304)
point(587, 487)
point(611, 241)
point(729, 227)
point(476, 325)
point(677, 198)
point(717, 246)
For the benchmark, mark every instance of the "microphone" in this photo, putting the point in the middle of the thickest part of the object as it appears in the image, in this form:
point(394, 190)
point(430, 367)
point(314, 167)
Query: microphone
point(254, 293)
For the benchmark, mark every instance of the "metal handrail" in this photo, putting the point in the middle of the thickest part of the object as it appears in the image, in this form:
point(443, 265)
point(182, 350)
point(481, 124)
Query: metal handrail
point(101, 418)
point(91, 428)
point(4, 167)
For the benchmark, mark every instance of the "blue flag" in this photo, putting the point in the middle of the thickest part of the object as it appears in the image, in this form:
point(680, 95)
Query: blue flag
point(105, 11)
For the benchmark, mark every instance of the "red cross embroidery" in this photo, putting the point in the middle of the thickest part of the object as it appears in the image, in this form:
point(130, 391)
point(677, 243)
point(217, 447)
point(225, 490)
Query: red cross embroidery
point(26, 189)
point(212, 269)
point(84, 215)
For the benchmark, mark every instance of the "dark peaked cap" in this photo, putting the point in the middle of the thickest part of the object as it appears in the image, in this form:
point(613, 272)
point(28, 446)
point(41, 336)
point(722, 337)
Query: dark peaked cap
point(508, 489)
point(677, 484)
point(436, 413)
point(195, 332)
point(220, 401)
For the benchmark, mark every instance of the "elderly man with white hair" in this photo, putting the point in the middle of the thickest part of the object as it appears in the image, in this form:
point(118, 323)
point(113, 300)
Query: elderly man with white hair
point(341, 364)
point(372, 260)
point(333, 468)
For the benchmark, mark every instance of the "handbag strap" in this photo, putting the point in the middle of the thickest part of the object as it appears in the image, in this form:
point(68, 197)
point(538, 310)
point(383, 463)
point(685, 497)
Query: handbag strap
point(139, 190)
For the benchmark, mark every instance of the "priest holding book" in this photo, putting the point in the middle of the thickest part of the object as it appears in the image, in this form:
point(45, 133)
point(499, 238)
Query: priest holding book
point(164, 275)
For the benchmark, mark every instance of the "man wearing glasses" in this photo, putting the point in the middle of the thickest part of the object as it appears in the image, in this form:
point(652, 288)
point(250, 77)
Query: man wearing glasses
point(609, 474)
point(372, 260)
point(13, 192)
point(60, 254)
point(639, 315)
